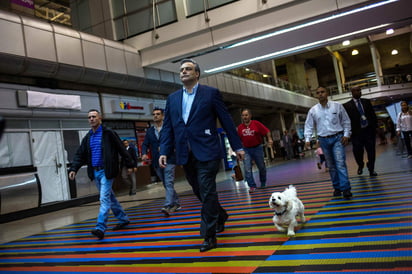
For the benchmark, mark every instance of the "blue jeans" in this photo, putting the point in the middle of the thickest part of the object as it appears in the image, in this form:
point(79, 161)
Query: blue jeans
point(255, 154)
point(167, 175)
point(335, 156)
point(107, 201)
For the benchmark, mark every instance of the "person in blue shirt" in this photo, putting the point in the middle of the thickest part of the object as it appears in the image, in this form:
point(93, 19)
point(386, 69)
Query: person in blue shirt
point(100, 150)
point(333, 126)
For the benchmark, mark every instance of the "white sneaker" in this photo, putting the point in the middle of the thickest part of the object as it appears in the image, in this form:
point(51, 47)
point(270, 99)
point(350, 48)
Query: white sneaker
point(175, 208)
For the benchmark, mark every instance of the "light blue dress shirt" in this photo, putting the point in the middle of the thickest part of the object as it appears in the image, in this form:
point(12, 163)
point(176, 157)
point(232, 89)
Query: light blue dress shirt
point(187, 102)
point(327, 120)
point(157, 131)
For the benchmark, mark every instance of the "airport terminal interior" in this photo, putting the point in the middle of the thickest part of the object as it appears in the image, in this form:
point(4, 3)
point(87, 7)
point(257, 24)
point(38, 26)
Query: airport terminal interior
point(60, 58)
point(370, 233)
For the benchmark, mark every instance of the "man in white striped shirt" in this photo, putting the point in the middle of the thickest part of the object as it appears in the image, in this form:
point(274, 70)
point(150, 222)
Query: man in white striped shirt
point(333, 127)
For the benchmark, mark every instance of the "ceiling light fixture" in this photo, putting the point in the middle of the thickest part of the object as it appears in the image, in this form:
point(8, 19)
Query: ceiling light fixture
point(394, 52)
point(332, 17)
point(290, 50)
point(355, 52)
point(346, 43)
point(389, 31)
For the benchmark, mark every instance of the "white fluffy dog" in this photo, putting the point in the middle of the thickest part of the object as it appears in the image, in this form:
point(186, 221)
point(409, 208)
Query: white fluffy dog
point(287, 206)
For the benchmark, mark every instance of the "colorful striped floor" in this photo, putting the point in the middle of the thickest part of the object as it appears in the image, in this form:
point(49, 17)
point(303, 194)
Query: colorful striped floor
point(372, 233)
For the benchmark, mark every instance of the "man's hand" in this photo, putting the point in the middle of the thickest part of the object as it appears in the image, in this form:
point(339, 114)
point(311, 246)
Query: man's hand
point(129, 171)
point(307, 145)
point(145, 157)
point(240, 155)
point(72, 174)
point(270, 143)
point(344, 140)
point(163, 161)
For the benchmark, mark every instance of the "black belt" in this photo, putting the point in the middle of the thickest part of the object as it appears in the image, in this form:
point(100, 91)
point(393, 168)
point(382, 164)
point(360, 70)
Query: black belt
point(333, 135)
point(254, 146)
point(97, 168)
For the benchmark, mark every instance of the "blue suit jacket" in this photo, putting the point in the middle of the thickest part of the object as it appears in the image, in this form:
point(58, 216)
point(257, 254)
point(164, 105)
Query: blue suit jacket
point(151, 142)
point(200, 131)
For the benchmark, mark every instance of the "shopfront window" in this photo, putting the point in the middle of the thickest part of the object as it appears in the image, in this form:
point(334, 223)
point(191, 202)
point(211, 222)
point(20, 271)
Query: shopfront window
point(133, 17)
point(15, 150)
point(197, 6)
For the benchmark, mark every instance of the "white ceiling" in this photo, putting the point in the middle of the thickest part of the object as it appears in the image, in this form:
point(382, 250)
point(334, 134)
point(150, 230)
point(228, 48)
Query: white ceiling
point(202, 45)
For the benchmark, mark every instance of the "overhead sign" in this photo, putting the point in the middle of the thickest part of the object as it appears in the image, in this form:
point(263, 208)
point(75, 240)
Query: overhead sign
point(36, 99)
point(131, 106)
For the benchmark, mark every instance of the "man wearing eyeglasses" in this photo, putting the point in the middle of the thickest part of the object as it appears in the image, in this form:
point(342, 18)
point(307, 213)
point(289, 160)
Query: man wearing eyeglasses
point(167, 175)
point(100, 150)
point(190, 128)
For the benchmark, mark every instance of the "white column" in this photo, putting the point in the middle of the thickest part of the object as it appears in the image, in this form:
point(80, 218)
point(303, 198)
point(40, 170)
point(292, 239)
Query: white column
point(282, 121)
point(274, 72)
point(376, 64)
point(337, 74)
point(180, 10)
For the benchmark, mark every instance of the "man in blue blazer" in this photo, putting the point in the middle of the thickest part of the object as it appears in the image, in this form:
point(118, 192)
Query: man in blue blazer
point(190, 129)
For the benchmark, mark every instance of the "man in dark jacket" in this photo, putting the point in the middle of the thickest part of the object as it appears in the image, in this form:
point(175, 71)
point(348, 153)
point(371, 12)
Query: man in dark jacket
point(128, 177)
point(190, 129)
point(100, 150)
point(167, 175)
point(363, 122)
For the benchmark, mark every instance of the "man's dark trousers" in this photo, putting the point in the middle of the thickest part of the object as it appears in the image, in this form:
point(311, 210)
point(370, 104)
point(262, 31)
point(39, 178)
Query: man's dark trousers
point(202, 177)
point(366, 139)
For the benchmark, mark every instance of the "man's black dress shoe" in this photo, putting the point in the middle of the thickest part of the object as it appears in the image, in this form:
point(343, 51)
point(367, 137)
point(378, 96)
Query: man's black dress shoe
point(98, 233)
point(208, 244)
point(120, 226)
point(373, 173)
point(220, 227)
point(337, 193)
point(347, 194)
point(360, 170)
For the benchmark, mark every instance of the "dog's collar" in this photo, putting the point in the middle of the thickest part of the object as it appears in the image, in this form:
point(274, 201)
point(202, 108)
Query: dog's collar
point(280, 213)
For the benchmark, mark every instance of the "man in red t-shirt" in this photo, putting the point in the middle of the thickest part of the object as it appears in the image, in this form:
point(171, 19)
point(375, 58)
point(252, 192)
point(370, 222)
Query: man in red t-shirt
point(251, 133)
